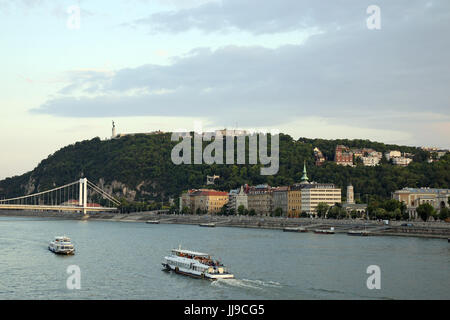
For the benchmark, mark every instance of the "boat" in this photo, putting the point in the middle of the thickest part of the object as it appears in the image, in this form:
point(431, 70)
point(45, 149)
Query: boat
point(294, 229)
point(209, 224)
point(361, 233)
point(152, 221)
point(61, 245)
point(196, 265)
point(325, 231)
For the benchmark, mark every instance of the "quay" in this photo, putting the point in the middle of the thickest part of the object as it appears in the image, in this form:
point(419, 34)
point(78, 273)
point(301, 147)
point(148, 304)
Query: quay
point(374, 228)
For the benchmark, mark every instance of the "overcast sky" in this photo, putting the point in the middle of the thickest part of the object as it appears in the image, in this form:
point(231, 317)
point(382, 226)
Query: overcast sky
point(308, 68)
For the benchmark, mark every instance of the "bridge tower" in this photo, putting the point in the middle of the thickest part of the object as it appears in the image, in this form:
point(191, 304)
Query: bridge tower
point(83, 194)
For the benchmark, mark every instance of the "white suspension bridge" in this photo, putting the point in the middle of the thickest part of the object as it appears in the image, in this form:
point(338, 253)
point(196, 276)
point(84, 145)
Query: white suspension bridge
point(79, 196)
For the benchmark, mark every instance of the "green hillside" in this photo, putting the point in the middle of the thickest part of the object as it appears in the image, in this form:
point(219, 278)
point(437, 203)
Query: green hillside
point(140, 168)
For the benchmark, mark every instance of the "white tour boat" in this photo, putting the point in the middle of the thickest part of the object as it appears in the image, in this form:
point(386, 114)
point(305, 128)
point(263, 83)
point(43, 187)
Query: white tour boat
point(195, 264)
point(61, 245)
point(325, 231)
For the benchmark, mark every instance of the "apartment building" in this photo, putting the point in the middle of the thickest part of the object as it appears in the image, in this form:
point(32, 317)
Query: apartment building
point(294, 201)
point(260, 199)
point(314, 193)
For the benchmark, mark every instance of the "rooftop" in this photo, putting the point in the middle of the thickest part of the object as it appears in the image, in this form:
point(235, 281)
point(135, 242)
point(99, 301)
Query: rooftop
point(424, 190)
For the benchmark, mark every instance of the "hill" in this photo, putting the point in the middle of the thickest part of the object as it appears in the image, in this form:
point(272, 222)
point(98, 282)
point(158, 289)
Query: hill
point(140, 168)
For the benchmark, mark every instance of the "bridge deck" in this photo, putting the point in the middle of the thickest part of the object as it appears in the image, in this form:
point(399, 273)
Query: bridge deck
point(54, 208)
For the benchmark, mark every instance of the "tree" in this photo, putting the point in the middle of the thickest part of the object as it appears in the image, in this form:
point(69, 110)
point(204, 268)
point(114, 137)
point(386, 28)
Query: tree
point(334, 212)
point(186, 210)
point(278, 212)
point(241, 210)
point(322, 209)
point(425, 210)
point(444, 213)
point(251, 212)
point(173, 210)
point(342, 213)
point(397, 214)
point(380, 213)
point(223, 211)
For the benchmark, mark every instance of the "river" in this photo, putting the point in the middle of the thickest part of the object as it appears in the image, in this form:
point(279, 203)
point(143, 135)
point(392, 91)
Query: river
point(120, 260)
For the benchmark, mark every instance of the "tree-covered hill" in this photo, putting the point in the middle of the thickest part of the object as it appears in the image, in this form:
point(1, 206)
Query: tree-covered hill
point(140, 168)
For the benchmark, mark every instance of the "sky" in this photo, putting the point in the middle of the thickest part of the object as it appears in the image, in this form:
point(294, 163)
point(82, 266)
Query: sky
point(315, 69)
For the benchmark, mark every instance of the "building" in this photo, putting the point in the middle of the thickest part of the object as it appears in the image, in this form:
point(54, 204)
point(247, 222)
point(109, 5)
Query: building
point(350, 204)
point(288, 199)
point(231, 133)
point(319, 158)
point(401, 161)
point(294, 200)
point(116, 135)
point(398, 158)
point(204, 200)
point(280, 199)
point(360, 208)
point(413, 197)
point(304, 196)
point(237, 198)
point(314, 193)
point(260, 199)
point(370, 161)
point(350, 194)
point(343, 156)
point(392, 154)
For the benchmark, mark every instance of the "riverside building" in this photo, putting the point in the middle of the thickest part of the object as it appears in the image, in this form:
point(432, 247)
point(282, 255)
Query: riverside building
point(204, 200)
point(315, 193)
point(237, 198)
point(413, 197)
point(260, 199)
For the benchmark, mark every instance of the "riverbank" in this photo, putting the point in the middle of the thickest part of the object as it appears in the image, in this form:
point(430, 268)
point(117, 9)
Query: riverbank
point(375, 228)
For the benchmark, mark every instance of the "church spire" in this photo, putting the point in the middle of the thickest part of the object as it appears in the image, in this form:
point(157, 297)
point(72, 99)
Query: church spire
point(304, 176)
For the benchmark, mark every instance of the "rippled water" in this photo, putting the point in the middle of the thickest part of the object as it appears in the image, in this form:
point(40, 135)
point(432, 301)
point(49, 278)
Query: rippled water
point(120, 260)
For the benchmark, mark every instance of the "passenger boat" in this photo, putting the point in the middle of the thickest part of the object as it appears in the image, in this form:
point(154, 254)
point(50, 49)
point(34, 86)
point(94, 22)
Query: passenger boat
point(61, 245)
point(210, 224)
point(325, 231)
point(195, 264)
point(361, 233)
point(152, 221)
point(294, 229)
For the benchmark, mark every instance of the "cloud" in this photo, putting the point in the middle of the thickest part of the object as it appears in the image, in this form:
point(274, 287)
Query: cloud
point(346, 74)
point(267, 17)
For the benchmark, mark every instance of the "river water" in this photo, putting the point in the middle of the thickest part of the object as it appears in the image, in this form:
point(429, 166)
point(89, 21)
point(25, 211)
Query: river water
point(120, 260)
